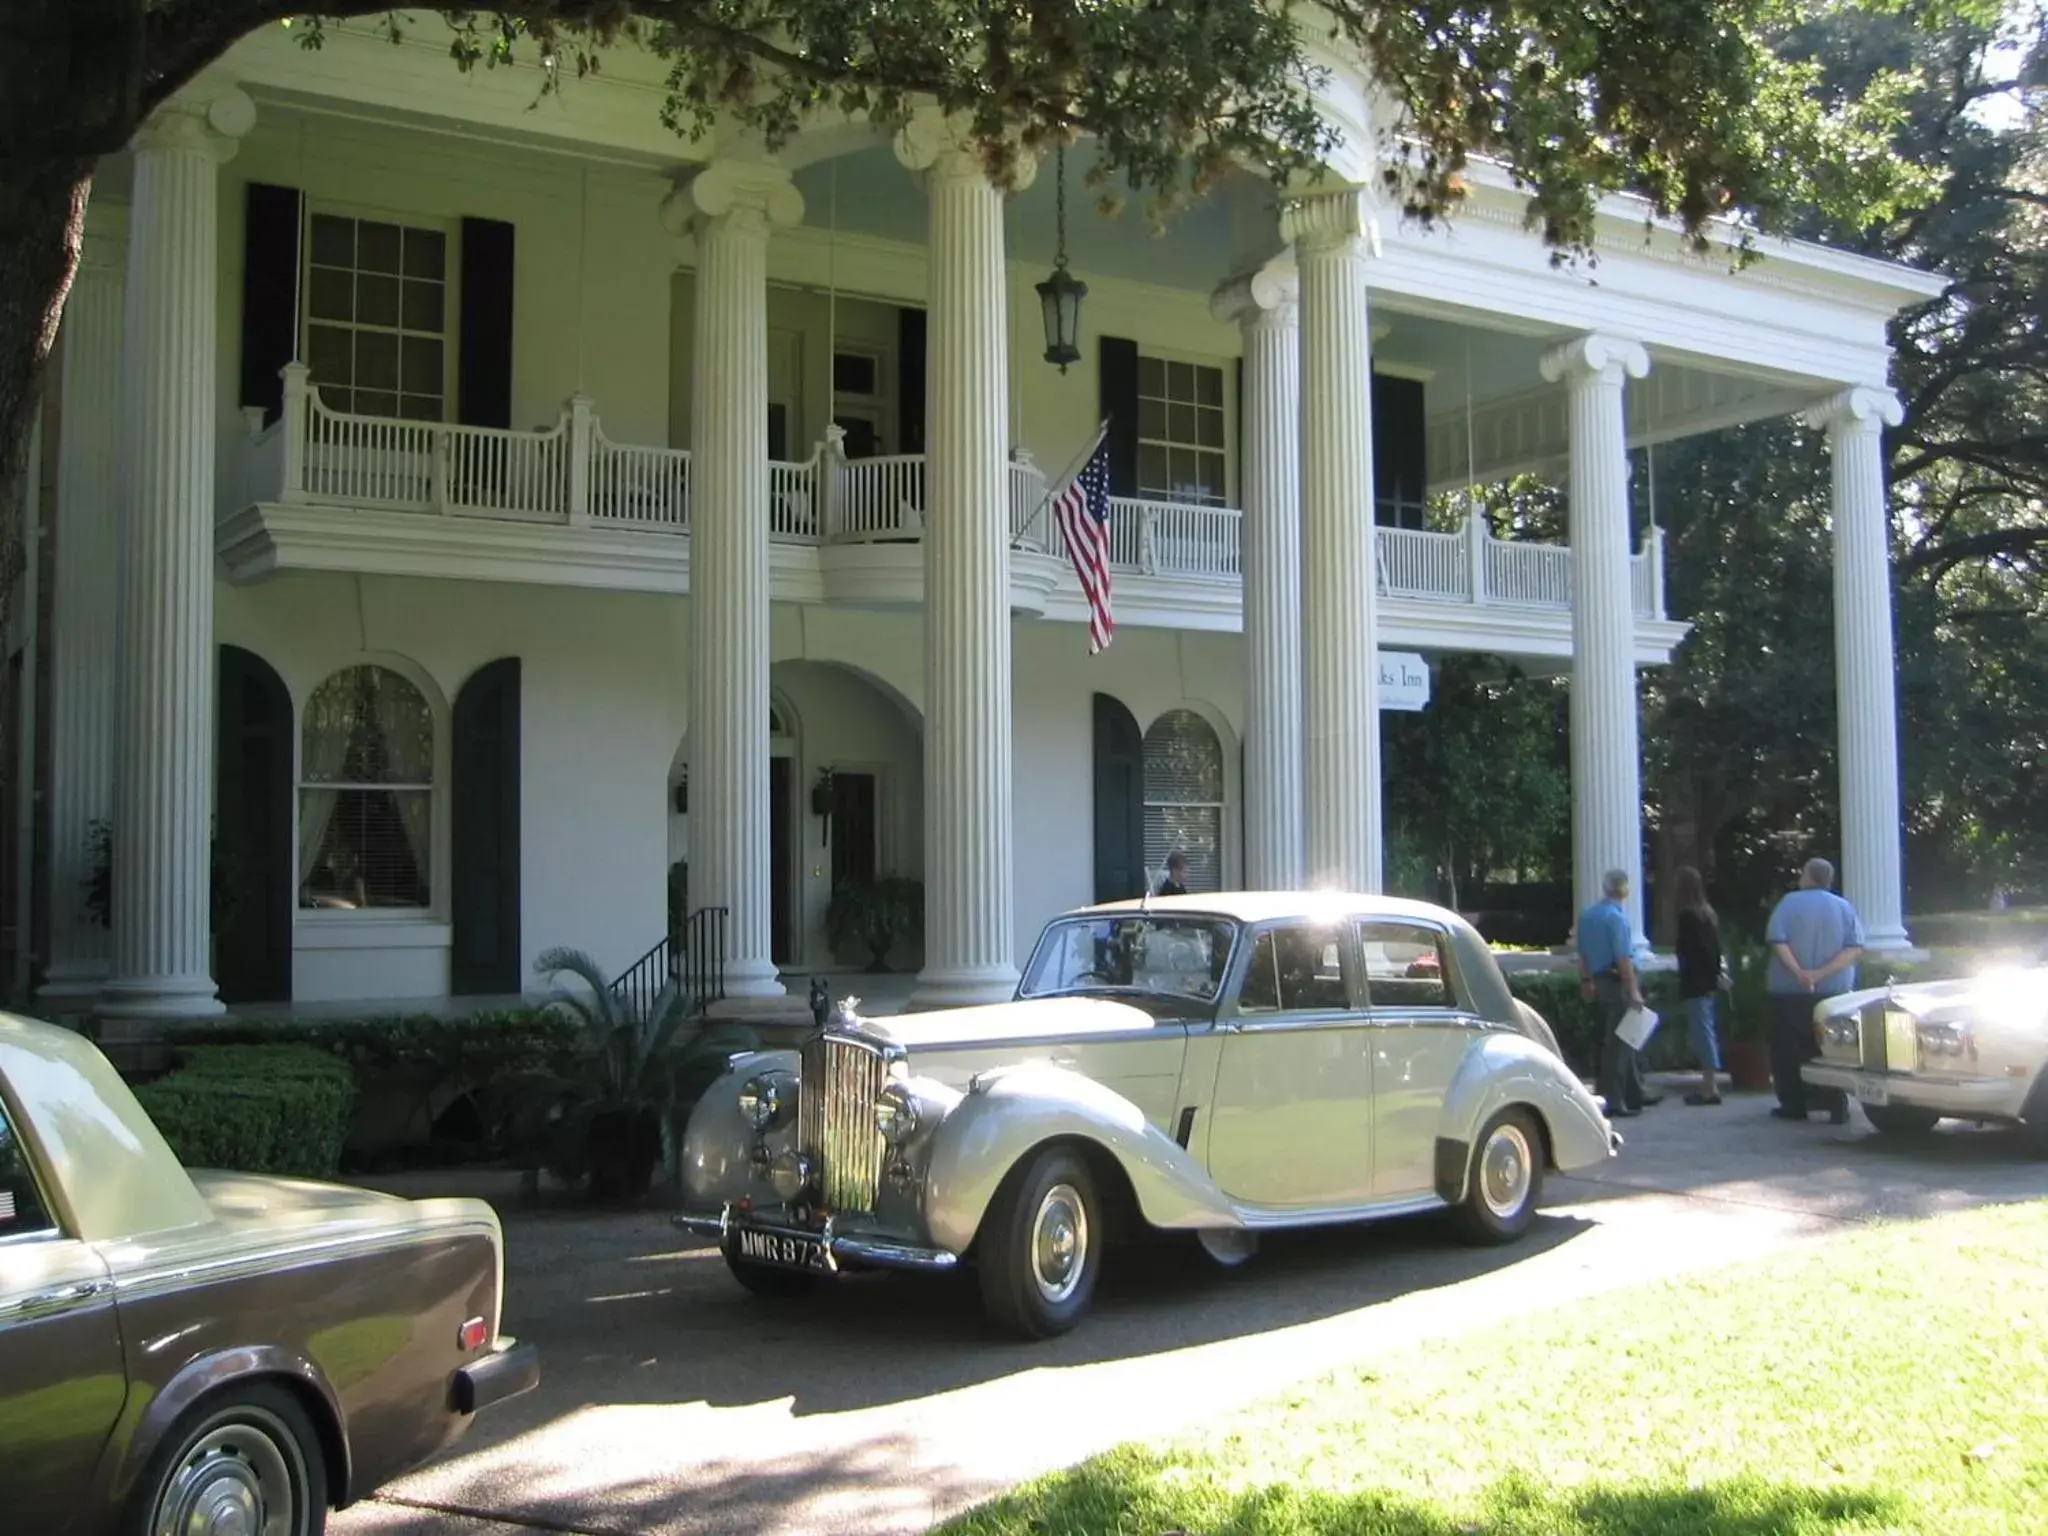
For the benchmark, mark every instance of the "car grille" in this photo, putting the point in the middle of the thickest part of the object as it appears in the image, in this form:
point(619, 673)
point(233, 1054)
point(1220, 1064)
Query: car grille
point(836, 1119)
point(1890, 1039)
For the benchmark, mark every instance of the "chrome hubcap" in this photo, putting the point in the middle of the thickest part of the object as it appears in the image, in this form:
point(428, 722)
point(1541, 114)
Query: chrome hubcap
point(1504, 1165)
point(1059, 1243)
point(234, 1481)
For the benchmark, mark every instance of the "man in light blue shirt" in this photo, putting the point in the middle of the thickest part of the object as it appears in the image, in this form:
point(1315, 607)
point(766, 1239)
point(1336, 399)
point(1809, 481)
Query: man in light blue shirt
point(1816, 939)
point(1607, 980)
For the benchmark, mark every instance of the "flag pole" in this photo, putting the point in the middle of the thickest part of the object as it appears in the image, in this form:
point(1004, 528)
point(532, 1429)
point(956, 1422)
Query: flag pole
point(1052, 487)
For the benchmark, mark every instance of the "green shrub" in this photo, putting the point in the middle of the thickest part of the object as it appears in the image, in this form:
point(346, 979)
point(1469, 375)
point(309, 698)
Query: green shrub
point(1555, 995)
point(254, 1108)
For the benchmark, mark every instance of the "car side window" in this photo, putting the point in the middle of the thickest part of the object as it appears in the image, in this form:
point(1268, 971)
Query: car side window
point(22, 1211)
point(1298, 969)
point(1406, 966)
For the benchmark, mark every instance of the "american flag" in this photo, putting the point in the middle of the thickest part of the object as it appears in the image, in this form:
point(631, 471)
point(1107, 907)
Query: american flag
point(1082, 508)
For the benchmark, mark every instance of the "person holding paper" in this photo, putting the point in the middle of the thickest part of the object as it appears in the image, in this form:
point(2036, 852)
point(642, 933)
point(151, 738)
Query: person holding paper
point(1816, 938)
point(1607, 980)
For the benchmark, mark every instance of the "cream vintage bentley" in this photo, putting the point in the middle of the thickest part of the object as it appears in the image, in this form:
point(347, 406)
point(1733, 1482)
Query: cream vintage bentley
point(1972, 1049)
point(1215, 1065)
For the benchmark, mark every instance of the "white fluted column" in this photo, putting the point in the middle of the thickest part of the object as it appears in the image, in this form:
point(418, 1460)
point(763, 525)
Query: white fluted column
point(968, 805)
point(1334, 237)
point(1865, 684)
point(81, 778)
point(736, 205)
point(1265, 307)
point(164, 666)
point(1607, 799)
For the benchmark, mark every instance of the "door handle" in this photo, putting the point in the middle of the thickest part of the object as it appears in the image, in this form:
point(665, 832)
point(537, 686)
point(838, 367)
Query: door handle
point(57, 1297)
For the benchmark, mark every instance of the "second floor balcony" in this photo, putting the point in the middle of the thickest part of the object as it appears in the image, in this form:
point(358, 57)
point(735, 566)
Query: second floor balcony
point(321, 488)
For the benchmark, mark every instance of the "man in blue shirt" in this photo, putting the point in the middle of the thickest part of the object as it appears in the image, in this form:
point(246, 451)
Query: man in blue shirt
point(1607, 980)
point(1816, 939)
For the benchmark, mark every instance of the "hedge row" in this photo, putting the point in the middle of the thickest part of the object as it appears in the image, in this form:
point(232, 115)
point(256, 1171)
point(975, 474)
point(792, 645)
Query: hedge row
point(254, 1108)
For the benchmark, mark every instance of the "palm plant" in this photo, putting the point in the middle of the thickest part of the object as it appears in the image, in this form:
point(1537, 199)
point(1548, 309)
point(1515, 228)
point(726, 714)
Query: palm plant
point(637, 1072)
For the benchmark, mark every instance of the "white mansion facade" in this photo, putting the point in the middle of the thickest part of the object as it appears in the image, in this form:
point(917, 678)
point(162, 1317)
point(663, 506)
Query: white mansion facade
point(472, 515)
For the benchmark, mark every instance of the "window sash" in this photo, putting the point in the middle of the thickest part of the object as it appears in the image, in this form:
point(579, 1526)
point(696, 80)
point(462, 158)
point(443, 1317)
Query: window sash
point(415, 389)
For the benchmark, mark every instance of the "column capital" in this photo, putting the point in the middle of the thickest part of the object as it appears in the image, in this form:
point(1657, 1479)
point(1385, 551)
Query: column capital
point(752, 194)
point(205, 118)
point(941, 145)
point(1267, 296)
point(1596, 358)
point(1862, 408)
point(1343, 217)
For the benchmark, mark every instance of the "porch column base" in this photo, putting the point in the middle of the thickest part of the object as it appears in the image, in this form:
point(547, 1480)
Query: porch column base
point(80, 984)
point(752, 979)
point(160, 997)
point(967, 987)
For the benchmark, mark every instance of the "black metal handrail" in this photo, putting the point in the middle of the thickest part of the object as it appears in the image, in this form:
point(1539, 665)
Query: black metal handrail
point(693, 961)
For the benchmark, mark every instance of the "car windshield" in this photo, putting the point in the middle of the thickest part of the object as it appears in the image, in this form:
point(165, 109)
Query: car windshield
point(1170, 956)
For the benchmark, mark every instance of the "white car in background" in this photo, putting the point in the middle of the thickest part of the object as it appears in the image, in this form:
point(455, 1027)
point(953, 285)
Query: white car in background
point(1912, 1055)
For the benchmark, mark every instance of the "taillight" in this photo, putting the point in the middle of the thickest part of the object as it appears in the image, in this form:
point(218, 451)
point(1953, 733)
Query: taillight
point(474, 1335)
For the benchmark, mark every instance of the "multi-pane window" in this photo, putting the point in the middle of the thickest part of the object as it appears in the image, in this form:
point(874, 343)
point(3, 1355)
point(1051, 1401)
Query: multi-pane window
point(366, 793)
point(1181, 456)
point(377, 317)
point(1184, 797)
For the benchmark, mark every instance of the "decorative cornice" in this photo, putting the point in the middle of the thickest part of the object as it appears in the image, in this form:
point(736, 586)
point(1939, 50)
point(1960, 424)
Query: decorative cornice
point(1267, 296)
point(1328, 221)
point(941, 146)
point(207, 118)
point(751, 195)
point(1597, 358)
point(1860, 409)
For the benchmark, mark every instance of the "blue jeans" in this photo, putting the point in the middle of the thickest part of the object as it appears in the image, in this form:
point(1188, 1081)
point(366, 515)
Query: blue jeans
point(1699, 1028)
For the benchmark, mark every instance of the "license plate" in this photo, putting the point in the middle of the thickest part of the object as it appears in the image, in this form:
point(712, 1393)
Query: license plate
point(784, 1250)
point(1869, 1092)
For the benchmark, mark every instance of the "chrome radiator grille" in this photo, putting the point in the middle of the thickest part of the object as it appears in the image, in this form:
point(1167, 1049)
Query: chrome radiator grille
point(1872, 1021)
point(835, 1121)
point(1890, 1039)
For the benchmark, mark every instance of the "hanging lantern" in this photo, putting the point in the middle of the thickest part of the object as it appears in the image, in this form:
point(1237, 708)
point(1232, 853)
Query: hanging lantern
point(1061, 294)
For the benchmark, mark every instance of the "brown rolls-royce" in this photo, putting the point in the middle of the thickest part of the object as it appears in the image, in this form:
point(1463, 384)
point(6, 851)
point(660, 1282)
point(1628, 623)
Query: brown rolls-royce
point(216, 1354)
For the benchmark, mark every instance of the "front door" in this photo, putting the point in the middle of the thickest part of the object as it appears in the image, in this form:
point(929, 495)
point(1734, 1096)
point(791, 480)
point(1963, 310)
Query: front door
point(1291, 1116)
point(853, 828)
point(781, 848)
point(62, 1381)
point(1420, 1035)
point(255, 873)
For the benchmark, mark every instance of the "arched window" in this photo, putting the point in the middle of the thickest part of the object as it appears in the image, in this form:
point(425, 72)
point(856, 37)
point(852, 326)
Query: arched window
point(366, 793)
point(1184, 797)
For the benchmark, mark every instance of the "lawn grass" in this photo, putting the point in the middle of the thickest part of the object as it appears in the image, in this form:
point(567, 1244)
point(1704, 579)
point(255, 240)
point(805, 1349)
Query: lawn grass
point(1889, 1381)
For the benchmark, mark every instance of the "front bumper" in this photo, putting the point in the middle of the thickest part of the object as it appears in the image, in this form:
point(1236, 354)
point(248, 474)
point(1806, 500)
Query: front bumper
point(860, 1249)
point(506, 1371)
point(1961, 1098)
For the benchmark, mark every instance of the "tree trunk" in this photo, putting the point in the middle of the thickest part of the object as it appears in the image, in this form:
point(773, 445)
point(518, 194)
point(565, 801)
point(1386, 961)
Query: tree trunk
point(42, 212)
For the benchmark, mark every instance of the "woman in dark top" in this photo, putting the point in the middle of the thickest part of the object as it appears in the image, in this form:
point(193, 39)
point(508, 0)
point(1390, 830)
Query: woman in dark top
point(1699, 978)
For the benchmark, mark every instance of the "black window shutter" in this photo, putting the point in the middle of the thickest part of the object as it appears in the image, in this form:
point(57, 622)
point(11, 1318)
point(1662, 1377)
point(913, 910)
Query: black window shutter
point(1119, 384)
point(270, 293)
point(1119, 802)
point(483, 390)
point(910, 361)
point(255, 865)
point(485, 837)
point(1238, 388)
point(1400, 458)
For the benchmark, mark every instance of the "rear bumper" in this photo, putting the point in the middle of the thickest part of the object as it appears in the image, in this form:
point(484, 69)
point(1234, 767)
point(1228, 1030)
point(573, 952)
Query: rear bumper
point(505, 1372)
point(1962, 1098)
point(865, 1250)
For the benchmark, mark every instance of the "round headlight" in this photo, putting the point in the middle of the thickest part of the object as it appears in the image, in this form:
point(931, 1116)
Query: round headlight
point(791, 1175)
point(896, 1114)
point(764, 1101)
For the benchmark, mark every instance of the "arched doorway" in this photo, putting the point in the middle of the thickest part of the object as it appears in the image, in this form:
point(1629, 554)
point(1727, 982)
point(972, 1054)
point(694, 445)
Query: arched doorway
point(254, 870)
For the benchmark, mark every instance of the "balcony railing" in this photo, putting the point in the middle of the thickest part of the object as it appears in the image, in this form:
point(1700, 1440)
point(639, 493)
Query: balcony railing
point(573, 474)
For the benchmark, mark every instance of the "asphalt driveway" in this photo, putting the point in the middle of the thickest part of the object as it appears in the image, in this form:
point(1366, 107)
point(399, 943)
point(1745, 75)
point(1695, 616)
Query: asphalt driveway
point(673, 1402)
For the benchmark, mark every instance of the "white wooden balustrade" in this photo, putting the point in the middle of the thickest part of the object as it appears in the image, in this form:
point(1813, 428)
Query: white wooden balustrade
point(572, 473)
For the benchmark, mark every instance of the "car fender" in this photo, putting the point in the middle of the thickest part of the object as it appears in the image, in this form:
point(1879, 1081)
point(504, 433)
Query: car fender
point(1005, 1115)
point(150, 1419)
point(1504, 1068)
point(717, 1143)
